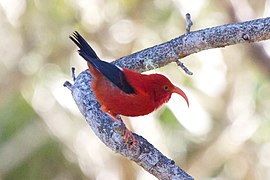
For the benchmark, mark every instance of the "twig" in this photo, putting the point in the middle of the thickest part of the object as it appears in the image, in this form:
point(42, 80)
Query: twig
point(179, 63)
point(68, 85)
point(73, 73)
point(145, 154)
point(188, 23)
point(188, 26)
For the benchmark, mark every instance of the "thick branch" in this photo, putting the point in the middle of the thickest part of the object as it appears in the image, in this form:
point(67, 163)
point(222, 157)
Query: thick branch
point(145, 154)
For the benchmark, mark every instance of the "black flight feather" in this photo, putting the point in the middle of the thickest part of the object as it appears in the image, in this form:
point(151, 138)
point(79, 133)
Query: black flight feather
point(110, 71)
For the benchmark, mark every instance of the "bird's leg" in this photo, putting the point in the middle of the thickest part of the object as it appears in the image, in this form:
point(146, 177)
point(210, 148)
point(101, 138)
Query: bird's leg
point(114, 118)
point(128, 134)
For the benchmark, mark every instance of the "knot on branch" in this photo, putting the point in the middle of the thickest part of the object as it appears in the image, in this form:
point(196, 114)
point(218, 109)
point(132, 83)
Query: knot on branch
point(246, 37)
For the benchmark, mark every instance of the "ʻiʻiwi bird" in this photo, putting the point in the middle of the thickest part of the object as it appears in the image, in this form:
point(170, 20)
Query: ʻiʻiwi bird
point(123, 91)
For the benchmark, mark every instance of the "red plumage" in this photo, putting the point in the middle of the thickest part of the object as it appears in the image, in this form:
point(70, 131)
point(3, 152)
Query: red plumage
point(123, 91)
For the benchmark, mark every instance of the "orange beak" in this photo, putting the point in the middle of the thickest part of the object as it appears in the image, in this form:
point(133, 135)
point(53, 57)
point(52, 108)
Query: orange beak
point(181, 93)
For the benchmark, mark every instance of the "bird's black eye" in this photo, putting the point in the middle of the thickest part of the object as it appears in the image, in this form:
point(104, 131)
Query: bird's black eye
point(166, 88)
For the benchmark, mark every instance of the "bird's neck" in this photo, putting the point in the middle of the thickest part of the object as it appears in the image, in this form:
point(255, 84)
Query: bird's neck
point(156, 92)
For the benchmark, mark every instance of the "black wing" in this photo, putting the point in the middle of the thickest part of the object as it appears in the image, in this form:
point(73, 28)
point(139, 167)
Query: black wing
point(110, 71)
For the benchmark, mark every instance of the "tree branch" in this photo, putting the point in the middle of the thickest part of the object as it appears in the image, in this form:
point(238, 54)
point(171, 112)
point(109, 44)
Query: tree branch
point(111, 134)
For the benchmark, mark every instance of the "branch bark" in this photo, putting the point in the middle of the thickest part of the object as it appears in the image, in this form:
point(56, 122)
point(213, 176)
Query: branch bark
point(111, 133)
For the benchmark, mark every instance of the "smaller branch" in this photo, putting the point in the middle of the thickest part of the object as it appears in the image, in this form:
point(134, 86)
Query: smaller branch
point(188, 26)
point(68, 85)
point(188, 23)
point(73, 73)
point(180, 64)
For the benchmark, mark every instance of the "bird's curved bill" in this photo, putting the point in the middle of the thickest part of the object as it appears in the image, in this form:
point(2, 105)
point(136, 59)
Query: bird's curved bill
point(181, 93)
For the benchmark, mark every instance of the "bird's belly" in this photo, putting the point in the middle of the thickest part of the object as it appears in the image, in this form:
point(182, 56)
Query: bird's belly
point(118, 102)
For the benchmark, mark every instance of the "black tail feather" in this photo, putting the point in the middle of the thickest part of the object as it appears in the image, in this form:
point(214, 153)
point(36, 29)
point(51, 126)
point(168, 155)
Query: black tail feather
point(85, 49)
point(110, 71)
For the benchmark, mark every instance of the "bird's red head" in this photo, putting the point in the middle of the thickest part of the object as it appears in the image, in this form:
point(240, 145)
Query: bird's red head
point(162, 89)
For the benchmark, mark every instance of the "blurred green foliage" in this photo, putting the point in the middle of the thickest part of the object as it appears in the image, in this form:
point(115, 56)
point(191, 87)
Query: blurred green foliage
point(15, 114)
point(47, 162)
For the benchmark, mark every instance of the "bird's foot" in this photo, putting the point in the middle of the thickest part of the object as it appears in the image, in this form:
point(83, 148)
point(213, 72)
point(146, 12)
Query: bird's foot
point(114, 118)
point(129, 138)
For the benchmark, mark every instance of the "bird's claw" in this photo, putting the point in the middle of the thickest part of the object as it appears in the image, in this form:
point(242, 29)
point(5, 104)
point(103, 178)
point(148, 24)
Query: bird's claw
point(130, 139)
point(128, 136)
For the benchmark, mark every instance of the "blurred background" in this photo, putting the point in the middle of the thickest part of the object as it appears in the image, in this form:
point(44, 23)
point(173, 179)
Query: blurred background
point(225, 134)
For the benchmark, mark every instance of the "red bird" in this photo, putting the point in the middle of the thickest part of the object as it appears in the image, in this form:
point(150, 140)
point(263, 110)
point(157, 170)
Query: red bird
point(123, 91)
